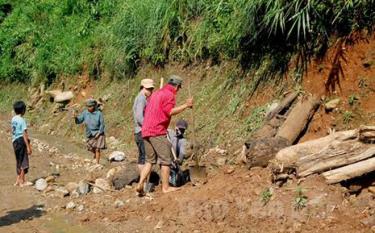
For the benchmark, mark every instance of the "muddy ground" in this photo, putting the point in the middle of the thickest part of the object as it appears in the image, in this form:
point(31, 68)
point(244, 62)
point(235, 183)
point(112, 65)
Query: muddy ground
point(235, 202)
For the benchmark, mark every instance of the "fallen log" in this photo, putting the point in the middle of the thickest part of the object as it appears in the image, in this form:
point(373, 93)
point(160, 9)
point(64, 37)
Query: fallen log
point(289, 156)
point(298, 118)
point(333, 157)
point(350, 171)
point(367, 134)
point(284, 104)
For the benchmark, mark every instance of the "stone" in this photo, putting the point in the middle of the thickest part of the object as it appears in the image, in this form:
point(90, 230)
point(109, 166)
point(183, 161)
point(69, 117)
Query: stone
point(62, 192)
point(71, 186)
point(70, 205)
point(83, 187)
point(50, 179)
point(63, 97)
point(41, 184)
point(101, 185)
point(80, 208)
point(369, 221)
point(371, 189)
point(159, 225)
point(221, 161)
point(125, 176)
point(119, 203)
point(74, 194)
point(117, 156)
point(332, 104)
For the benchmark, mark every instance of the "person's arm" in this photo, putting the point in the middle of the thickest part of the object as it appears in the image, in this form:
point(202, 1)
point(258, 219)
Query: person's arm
point(139, 112)
point(26, 138)
point(79, 119)
point(181, 108)
point(102, 125)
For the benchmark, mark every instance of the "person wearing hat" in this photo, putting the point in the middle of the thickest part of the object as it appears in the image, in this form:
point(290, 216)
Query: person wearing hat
point(140, 102)
point(94, 122)
point(158, 113)
point(177, 138)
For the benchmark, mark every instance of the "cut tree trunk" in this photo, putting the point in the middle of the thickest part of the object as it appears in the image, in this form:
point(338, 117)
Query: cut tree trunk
point(333, 157)
point(285, 103)
point(350, 171)
point(367, 134)
point(289, 156)
point(298, 119)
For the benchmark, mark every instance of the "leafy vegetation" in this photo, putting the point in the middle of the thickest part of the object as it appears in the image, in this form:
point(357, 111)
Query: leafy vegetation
point(300, 200)
point(42, 39)
point(347, 117)
point(266, 196)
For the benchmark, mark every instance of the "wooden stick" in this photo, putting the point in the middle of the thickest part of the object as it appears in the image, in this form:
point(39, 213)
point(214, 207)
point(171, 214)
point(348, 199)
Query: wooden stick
point(193, 127)
point(161, 82)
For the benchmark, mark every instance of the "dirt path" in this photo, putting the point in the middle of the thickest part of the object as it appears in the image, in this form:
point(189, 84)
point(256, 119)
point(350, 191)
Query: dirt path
point(25, 209)
point(226, 203)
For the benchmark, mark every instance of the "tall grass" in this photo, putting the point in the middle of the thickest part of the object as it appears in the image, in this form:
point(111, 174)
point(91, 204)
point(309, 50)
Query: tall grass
point(41, 39)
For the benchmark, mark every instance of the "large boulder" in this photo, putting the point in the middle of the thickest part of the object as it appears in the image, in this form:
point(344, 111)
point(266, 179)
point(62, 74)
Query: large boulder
point(64, 97)
point(125, 176)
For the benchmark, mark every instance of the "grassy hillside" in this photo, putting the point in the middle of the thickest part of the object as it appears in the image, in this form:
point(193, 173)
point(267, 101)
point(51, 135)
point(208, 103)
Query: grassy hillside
point(41, 40)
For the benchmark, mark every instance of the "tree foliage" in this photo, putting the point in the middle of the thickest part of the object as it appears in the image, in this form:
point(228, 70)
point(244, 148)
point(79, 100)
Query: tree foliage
point(42, 39)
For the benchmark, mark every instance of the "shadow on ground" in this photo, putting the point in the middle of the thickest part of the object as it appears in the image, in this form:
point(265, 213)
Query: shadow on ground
point(16, 216)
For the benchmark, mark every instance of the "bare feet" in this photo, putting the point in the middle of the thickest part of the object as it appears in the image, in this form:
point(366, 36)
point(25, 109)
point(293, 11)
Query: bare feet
point(170, 189)
point(140, 191)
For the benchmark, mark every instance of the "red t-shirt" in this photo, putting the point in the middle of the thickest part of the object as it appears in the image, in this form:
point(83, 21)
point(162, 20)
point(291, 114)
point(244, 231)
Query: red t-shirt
point(157, 113)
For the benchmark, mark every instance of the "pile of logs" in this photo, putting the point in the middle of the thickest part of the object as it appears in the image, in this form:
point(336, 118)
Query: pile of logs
point(339, 156)
point(283, 127)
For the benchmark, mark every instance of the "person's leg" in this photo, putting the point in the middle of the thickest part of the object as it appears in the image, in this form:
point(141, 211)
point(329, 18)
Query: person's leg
point(146, 171)
point(97, 156)
point(22, 177)
point(141, 151)
point(163, 149)
point(165, 172)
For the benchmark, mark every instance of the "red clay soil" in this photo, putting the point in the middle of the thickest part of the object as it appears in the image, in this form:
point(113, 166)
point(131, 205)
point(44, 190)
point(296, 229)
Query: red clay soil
point(233, 203)
point(358, 81)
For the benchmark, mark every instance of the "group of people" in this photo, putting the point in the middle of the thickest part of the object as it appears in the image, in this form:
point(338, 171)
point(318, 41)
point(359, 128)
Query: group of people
point(152, 113)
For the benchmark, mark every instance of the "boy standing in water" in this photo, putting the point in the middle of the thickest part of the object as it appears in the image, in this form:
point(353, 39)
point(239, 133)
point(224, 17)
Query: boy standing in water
point(21, 143)
point(94, 121)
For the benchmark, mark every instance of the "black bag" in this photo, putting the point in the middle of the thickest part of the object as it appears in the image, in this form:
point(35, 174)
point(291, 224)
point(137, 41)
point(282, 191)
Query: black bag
point(177, 178)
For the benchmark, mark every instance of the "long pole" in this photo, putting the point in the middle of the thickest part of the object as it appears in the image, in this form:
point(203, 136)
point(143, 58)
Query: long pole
point(195, 154)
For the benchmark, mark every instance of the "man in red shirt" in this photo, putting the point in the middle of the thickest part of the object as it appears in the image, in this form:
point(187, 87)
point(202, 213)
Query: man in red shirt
point(158, 113)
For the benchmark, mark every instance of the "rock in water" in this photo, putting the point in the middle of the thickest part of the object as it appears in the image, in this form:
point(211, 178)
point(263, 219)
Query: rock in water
point(101, 185)
point(117, 156)
point(125, 176)
point(41, 184)
point(83, 188)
